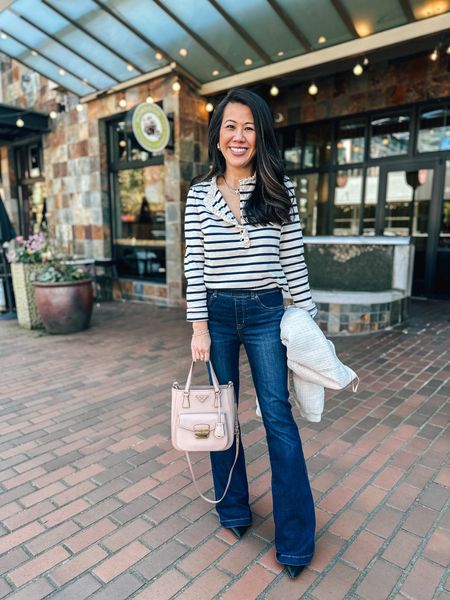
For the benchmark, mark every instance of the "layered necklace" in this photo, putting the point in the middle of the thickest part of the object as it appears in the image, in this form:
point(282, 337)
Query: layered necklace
point(233, 190)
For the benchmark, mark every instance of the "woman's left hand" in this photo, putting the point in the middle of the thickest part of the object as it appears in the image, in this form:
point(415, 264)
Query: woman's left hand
point(200, 346)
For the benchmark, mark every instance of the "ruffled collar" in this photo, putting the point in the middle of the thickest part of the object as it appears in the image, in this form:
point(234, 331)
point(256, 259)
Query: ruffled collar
point(216, 204)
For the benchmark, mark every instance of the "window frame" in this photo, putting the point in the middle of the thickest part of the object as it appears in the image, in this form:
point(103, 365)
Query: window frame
point(114, 166)
point(414, 111)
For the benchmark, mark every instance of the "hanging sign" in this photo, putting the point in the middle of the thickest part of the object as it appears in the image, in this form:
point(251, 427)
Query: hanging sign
point(150, 126)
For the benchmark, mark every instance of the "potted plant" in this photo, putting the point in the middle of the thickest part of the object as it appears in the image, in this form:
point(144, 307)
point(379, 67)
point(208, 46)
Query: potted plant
point(26, 256)
point(64, 296)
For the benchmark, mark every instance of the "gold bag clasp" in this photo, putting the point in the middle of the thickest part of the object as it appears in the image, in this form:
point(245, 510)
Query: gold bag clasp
point(201, 432)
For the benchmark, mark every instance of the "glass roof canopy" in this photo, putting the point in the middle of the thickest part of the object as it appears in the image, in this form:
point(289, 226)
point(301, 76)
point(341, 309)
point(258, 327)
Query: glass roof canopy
point(92, 45)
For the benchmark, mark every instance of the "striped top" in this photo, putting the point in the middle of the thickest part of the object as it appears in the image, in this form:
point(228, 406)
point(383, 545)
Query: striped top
point(222, 253)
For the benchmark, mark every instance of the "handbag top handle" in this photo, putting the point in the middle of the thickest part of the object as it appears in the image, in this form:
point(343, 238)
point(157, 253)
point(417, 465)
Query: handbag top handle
point(213, 377)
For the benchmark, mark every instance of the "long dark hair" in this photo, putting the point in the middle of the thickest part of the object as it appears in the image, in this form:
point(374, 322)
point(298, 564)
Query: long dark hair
point(270, 201)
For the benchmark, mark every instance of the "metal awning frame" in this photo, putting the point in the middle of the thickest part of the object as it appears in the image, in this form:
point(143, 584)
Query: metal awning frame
point(35, 123)
point(408, 38)
point(313, 63)
point(354, 49)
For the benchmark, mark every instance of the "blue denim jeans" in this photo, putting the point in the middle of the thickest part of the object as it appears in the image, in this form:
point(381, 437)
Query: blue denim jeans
point(253, 319)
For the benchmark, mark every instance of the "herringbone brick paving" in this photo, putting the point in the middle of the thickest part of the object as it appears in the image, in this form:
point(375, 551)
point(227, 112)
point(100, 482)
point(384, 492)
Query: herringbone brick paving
point(95, 503)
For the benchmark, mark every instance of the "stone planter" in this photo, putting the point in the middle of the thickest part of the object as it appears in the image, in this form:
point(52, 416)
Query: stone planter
point(65, 307)
point(27, 312)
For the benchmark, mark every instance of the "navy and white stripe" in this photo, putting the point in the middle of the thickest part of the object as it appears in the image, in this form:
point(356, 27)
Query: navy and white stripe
point(222, 253)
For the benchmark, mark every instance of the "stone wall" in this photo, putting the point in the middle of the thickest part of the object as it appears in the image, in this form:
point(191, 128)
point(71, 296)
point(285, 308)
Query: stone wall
point(76, 170)
point(382, 85)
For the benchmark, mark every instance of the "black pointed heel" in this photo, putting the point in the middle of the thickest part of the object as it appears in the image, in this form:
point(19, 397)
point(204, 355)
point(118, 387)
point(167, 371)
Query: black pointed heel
point(239, 531)
point(294, 570)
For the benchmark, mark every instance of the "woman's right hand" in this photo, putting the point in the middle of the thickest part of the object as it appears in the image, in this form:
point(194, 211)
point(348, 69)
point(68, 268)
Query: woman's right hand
point(200, 346)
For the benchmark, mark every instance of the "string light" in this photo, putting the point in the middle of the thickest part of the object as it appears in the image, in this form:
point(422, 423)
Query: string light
point(209, 107)
point(158, 56)
point(34, 53)
point(53, 114)
point(365, 61)
point(62, 72)
point(322, 39)
point(79, 107)
point(248, 62)
point(434, 55)
point(149, 99)
point(313, 89)
point(215, 72)
point(358, 70)
point(448, 50)
point(274, 91)
point(183, 52)
point(176, 86)
point(280, 53)
point(20, 122)
point(130, 68)
point(122, 103)
point(4, 36)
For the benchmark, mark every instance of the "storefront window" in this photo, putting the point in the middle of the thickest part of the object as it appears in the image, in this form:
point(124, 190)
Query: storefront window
point(408, 195)
point(33, 191)
point(389, 136)
point(443, 251)
point(292, 149)
point(444, 233)
point(312, 196)
point(370, 200)
point(317, 145)
point(139, 226)
point(434, 130)
point(350, 141)
point(347, 202)
point(140, 235)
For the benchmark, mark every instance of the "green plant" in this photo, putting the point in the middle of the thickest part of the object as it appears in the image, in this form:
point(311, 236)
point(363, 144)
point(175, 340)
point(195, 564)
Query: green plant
point(57, 271)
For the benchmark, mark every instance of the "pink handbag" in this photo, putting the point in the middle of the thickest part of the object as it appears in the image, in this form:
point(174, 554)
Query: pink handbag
point(204, 419)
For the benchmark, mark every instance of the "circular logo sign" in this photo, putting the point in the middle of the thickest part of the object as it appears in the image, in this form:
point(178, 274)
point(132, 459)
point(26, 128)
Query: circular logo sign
point(150, 127)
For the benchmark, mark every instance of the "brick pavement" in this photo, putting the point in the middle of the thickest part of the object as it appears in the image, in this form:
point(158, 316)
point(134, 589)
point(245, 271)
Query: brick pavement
point(96, 504)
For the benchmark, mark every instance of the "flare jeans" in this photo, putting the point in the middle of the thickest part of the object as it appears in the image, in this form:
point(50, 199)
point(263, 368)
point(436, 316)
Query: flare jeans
point(253, 319)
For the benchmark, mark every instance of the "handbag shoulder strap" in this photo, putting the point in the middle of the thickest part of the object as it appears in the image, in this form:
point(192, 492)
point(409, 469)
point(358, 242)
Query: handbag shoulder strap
point(237, 436)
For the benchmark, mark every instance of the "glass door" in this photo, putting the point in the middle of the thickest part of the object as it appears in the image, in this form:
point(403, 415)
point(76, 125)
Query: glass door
point(31, 188)
point(441, 279)
point(408, 197)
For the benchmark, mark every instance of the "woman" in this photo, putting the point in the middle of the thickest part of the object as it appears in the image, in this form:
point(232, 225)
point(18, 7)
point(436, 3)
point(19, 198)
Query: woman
point(243, 247)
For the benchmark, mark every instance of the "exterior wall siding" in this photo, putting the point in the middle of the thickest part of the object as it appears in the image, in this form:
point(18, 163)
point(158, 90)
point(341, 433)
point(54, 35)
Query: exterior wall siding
point(76, 167)
point(382, 85)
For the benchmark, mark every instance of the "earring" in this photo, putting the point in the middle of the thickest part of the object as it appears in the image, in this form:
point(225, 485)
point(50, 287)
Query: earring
point(218, 146)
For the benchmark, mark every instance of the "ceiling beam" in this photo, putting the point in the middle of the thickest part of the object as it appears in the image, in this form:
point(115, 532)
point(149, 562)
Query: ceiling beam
point(64, 45)
point(242, 32)
point(112, 13)
point(57, 65)
point(209, 49)
point(407, 10)
point(161, 72)
point(313, 60)
point(344, 15)
point(296, 32)
point(117, 17)
point(90, 34)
